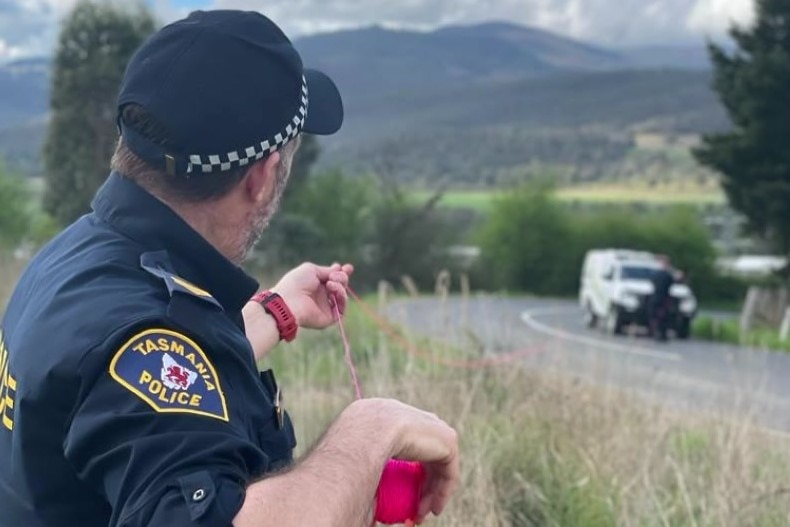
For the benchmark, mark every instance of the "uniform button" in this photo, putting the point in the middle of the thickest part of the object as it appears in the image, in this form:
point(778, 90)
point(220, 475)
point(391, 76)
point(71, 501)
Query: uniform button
point(198, 495)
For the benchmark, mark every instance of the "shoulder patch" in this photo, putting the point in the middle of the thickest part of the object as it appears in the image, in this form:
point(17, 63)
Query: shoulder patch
point(171, 373)
point(157, 263)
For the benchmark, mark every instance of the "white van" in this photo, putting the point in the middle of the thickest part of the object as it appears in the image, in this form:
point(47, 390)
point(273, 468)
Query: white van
point(616, 290)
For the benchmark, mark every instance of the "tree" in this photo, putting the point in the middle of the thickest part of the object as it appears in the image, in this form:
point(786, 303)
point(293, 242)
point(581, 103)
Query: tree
point(753, 83)
point(96, 41)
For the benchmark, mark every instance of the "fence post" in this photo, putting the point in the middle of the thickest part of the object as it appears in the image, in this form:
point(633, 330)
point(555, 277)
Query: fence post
point(465, 294)
point(747, 315)
point(443, 281)
point(410, 286)
point(784, 332)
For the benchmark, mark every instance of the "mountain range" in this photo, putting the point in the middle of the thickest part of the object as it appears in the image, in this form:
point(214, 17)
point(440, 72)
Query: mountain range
point(459, 85)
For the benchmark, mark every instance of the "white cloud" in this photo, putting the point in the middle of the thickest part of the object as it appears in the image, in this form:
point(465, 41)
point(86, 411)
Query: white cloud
point(29, 27)
point(716, 16)
point(8, 52)
point(612, 22)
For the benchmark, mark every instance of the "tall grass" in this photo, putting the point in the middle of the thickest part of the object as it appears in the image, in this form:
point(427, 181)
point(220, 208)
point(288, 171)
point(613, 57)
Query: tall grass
point(546, 450)
point(729, 331)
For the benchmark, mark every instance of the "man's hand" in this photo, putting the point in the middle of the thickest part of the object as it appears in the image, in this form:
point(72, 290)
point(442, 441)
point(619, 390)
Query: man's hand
point(336, 483)
point(416, 436)
point(308, 291)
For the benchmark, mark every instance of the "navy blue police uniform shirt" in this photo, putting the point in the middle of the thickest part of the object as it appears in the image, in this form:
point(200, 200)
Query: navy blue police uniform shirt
point(129, 394)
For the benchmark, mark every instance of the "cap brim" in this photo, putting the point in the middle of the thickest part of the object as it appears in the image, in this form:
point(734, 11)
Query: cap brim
point(325, 107)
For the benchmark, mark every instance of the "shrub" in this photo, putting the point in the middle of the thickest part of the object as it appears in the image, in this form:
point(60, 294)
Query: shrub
point(406, 238)
point(531, 242)
point(325, 221)
point(527, 243)
point(338, 218)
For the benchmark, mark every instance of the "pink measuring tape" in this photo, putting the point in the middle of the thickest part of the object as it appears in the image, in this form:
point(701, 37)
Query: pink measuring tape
point(400, 488)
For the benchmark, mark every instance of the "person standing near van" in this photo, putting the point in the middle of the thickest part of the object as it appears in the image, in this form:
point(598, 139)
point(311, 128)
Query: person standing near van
point(663, 279)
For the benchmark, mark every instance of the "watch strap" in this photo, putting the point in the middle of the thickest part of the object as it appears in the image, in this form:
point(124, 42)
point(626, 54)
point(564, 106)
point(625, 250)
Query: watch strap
point(279, 310)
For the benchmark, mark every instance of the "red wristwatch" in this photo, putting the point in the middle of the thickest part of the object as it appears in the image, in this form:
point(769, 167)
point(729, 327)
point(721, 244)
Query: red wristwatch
point(283, 316)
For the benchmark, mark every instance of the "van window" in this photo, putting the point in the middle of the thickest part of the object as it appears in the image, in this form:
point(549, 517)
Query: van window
point(637, 273)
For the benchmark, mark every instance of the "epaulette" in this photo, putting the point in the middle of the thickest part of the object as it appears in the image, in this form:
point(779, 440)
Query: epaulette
point(158, 264)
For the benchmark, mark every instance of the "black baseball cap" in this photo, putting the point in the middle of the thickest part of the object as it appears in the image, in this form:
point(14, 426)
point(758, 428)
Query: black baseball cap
point(229, 88)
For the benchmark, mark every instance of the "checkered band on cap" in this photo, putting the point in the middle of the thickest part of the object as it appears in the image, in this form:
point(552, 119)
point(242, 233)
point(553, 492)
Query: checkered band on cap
point(250, 154)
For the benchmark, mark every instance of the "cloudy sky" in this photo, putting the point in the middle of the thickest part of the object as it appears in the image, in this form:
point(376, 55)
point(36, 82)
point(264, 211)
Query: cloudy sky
point(29, 27)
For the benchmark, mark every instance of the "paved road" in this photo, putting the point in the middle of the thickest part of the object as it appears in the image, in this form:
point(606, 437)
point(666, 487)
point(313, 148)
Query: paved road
point(700, 376)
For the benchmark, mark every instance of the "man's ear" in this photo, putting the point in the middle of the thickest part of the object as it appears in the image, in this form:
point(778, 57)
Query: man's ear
point(261, 179)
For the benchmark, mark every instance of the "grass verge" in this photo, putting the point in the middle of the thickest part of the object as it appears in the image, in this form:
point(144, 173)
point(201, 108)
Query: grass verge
point(547, 450)
point(728, 331)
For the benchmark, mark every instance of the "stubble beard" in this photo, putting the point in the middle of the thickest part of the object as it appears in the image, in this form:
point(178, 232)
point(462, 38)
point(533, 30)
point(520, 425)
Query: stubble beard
point(260, 219)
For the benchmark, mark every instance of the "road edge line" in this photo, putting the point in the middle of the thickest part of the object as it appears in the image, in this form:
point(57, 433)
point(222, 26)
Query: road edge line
point(528, 317)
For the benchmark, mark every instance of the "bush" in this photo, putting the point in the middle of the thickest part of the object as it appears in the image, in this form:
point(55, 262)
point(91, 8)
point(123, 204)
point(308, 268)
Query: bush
point(531, 242)
point(406, 238)
point(325, 221)
point(339, 208)
point(526, 243)
point(676, 232)
point(337, 218)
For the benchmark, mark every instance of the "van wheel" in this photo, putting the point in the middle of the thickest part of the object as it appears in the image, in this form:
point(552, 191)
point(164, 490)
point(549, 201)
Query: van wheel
point(614, 323)
point(590, 318)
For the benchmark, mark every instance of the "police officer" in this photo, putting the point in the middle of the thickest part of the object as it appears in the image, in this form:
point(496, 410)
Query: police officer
point(129, 392)
point(660, 302)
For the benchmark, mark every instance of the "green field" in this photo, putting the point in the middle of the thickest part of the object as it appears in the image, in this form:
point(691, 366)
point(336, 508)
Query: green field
point(634, 193)
point(480, 200)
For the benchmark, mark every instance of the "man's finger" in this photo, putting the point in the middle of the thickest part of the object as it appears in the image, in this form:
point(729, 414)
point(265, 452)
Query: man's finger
point(339, 277)
point(446, 483)
point(426, 501)
point(337, 292)
point(342, 300)
point(334, 288)
point(324, 272)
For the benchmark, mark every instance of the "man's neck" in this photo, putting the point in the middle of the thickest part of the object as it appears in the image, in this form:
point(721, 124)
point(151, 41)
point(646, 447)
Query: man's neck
point(217, 226)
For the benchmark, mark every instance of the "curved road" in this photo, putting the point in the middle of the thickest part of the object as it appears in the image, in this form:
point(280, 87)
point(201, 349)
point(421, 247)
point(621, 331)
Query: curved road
point(725, 380)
